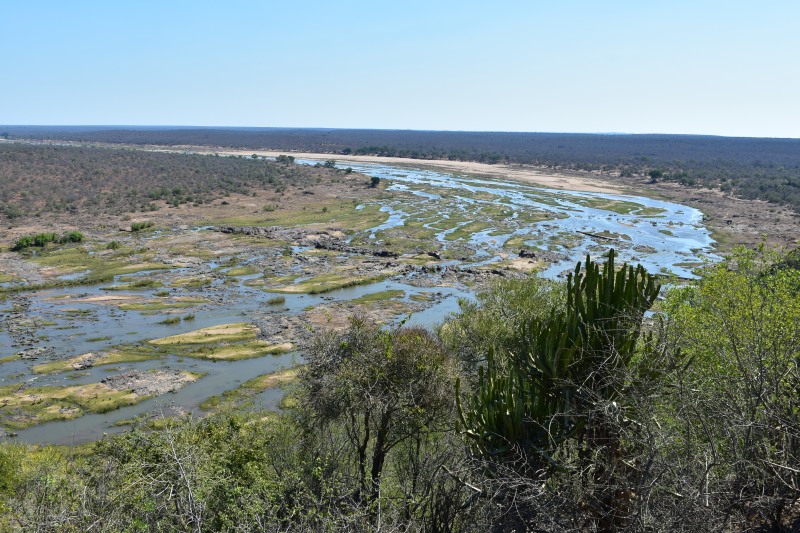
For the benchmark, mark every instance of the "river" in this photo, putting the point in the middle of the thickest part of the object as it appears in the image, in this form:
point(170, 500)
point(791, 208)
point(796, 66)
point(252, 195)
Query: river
point(481, 215)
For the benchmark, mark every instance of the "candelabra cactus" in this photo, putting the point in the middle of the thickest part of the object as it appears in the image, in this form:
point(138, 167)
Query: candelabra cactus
point(533, 400)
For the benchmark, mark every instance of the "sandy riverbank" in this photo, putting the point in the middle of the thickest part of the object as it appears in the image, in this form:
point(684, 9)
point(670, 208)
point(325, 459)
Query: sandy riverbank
point(557, 180)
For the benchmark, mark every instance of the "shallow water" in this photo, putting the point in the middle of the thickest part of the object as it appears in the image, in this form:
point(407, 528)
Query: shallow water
point(688, 240)
point(72, 328)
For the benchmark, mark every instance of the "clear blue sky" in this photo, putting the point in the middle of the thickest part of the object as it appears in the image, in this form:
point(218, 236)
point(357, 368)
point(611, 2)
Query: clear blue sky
point(723, 67)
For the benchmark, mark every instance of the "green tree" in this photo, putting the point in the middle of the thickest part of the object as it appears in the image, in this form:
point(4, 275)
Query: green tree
point(739, 401)
point(383, 388)
point(655, 175)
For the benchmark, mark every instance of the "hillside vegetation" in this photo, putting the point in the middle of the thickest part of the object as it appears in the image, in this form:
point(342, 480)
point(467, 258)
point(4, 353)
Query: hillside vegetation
point(53, 179)
point(543, 406)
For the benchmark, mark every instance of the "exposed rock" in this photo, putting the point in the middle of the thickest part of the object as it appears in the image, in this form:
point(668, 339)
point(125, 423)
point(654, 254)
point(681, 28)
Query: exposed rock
point(32, 353)
point(149, 383)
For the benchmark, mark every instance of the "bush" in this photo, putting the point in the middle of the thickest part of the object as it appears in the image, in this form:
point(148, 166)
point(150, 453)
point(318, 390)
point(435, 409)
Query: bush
point(139, 226)
point(72, 236)
point(40, 240)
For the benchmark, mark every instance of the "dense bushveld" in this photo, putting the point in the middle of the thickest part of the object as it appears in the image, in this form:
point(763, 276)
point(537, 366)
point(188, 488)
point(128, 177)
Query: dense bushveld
point(767, 169)
point(51, 179)
point(591, 405)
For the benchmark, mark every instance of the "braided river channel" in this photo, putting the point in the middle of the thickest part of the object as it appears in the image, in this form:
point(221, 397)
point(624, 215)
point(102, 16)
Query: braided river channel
point(478, 225)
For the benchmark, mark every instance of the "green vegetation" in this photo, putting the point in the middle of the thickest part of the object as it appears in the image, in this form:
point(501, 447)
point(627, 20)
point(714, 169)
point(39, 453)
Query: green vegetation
point(378, 296)
point(327, 212)
point(40, 240)
point(117, 355)
point(139, 284)
point(242, 271)
point(139, 226)
point(160, 305)
point(326, 283)
point(66, 179)
point(576, 412)
point(87, 268)
point(239, 396)
point(228, 342)
point(24, 407)
point(191, 283)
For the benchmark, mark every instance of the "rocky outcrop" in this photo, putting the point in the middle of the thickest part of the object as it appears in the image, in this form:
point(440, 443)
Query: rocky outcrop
point(149, 383)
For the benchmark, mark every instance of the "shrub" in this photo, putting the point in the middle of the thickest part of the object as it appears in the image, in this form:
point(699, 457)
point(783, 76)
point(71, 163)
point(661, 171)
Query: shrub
point(139, 226)
point(72, 236)
point(40, 240)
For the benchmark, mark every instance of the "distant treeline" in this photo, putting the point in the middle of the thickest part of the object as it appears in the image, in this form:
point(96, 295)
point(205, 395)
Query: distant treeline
point(767, 169)
point(46, 178)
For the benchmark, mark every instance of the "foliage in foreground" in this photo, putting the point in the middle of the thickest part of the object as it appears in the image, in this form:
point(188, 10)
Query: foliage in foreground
point(696, 429)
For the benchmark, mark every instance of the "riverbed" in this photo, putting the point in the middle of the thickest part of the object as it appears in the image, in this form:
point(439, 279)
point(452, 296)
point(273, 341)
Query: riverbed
point(445, 233)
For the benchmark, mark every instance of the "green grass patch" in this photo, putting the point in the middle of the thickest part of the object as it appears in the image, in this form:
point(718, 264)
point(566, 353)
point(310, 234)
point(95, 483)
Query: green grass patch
point(24, 407)
point(379, 296)
point(118, 355)
point(326, 283)
point(237, 332)
point(99, 269)
point(322, 213)
point(251, 387)
point(236, 351)
point(37, 405)
point(7, 278)
point(227, 342)
point(242, 271)
point(422, 297)
point(191, 283)
point(9, 359)
point(137, 285)
point(651, 211)
point(155, 305)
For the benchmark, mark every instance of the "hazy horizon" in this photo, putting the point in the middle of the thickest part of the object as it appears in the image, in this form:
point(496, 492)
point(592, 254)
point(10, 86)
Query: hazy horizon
point(326, 128)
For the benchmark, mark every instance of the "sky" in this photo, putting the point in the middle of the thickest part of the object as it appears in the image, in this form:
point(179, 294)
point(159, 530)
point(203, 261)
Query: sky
point(718, 67)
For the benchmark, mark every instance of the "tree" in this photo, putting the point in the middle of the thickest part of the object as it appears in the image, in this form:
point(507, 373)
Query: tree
point(739, 400)
point(382, 387)
point(655, 175)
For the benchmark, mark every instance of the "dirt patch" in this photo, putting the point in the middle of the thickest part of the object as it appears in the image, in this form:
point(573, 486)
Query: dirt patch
point(109, 298)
